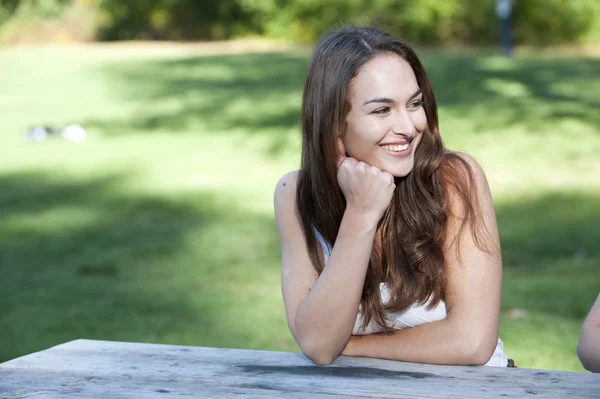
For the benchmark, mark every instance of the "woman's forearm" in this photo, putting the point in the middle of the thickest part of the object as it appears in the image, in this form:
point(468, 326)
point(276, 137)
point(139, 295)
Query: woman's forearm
point(326, 317)
point(439, 342)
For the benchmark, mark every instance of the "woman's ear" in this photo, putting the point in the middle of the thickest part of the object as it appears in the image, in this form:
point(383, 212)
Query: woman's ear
point(341, 150)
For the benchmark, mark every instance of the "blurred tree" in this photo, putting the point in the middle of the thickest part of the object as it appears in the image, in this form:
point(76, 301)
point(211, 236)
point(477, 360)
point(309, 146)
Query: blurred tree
point(424, 21)
point(38, 7)
point(430, 21)
point(9, 5)
point(47, 20)
point(542, 22)
point(170, 19)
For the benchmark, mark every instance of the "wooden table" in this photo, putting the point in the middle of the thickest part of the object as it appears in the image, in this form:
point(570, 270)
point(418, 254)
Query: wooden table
point(102, 369)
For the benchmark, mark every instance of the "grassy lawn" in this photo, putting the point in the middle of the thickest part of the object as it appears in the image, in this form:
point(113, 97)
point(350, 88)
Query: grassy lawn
point(159, 227)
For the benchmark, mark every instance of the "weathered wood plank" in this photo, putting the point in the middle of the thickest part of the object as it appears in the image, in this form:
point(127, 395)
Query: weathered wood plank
point(21, 384)
point(294, 373)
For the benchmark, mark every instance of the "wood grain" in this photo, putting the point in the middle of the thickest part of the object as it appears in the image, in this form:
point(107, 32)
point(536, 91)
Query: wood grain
point(118, 366)
point(17, 384)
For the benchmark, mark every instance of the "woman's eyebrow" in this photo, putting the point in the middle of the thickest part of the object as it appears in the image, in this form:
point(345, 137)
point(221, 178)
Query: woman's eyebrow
point(379, 100)
point(415, 94)
point(386, 100)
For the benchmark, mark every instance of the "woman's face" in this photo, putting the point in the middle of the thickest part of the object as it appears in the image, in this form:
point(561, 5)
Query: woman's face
point(387, 119)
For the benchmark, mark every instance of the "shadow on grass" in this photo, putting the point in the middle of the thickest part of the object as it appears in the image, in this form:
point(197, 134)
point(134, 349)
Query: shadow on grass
point(89, 260)
point(551, 255)
point(551, 276)
point(494, 92)
point(262, 92)
point(255, 92)
point(68, 220)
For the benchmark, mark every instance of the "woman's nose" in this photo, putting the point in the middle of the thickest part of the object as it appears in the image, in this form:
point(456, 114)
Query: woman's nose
point(403, 125)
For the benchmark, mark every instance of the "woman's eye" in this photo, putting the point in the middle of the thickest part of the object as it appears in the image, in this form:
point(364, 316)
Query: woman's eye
point(381, 111)
point(416, 104)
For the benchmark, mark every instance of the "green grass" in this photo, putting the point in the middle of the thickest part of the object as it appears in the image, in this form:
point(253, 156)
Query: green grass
point(159, 227)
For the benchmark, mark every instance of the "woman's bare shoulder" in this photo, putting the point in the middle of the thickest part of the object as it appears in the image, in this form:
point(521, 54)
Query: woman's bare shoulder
point(285, 190)
point(289, 178)
point(463, 168)
point(470, 161)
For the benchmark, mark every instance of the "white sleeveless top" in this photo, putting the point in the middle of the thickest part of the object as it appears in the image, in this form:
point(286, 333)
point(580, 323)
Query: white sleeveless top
point(411, 317)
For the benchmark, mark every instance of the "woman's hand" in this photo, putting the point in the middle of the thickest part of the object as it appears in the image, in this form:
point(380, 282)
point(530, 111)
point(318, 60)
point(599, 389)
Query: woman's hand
point(367, 189)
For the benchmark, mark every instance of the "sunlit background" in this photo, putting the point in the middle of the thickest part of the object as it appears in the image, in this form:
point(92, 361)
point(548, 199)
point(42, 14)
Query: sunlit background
point(150, 218)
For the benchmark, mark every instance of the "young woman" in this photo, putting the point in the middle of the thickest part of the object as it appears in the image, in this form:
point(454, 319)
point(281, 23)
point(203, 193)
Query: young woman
point(389, 241)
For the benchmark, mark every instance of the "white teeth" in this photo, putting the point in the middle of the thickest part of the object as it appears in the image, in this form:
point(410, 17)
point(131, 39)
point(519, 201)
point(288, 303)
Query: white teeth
point(395, 148)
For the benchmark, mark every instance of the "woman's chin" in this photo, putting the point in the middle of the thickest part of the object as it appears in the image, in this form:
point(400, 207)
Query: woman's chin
point(400, 171)
point(400, 175)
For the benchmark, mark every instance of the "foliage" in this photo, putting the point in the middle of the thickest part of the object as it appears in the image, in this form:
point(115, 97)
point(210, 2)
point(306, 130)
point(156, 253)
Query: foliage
point(24, 21)
point(556, 21)
point(537, 22)
point(430, 21)
point(173, 20)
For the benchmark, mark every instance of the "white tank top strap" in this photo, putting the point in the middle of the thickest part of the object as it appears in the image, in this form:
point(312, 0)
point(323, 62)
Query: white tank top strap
point(325, 246)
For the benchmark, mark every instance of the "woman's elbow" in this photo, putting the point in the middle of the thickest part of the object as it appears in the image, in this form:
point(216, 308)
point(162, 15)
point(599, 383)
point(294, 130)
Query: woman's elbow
point(477, 351)
point(321, 360)
point(480, 357)
point(589, 358)
point(316, 348)
point(318, 355)
point(582, 355)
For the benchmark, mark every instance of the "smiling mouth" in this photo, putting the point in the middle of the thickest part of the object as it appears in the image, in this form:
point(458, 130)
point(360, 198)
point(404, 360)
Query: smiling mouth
point(396, 147)
point(399, 147)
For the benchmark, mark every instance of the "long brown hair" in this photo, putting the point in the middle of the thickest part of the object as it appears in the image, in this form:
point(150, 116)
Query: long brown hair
point(408, 250)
